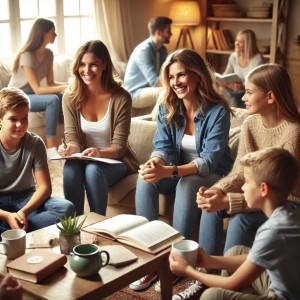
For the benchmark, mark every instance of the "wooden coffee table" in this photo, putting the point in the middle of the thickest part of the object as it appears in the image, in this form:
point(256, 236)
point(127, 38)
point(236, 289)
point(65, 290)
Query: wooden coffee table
point(64, 284)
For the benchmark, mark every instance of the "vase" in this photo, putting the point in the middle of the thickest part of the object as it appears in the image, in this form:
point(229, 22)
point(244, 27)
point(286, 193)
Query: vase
point(68, 241)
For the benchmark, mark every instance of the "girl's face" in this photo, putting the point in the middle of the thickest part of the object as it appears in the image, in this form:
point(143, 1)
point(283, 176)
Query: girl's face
point(50, 36)
point(91, 69)
point(14, 123)
point(256, 101)
point(239, 43)
point(184, 83)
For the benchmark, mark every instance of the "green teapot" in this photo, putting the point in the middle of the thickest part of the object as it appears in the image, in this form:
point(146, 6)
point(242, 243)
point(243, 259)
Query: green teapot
point(87, 260)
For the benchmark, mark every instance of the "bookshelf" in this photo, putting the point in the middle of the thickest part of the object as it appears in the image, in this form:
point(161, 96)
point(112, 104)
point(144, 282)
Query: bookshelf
point(270, 32)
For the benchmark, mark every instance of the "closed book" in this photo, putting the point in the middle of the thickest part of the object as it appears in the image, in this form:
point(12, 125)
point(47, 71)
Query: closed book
point(36, 265)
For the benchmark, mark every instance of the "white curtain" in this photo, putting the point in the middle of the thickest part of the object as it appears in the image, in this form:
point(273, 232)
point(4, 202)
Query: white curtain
point(113, 22)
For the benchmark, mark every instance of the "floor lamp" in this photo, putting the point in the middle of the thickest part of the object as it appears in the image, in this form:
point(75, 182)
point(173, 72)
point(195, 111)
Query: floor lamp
point(185, 14)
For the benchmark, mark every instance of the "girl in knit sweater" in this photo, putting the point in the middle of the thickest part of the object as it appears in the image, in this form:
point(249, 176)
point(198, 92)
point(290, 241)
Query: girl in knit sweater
point(274, 121)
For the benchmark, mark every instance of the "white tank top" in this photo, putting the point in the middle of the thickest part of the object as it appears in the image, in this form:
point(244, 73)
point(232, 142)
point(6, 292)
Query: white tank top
point(97, 133)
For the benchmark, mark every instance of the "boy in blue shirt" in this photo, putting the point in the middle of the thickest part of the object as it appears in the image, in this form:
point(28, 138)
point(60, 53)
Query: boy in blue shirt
point(272, 265)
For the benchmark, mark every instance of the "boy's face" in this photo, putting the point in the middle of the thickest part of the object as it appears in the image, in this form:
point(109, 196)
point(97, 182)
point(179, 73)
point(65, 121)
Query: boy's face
point(252, 191)
point(14, 123)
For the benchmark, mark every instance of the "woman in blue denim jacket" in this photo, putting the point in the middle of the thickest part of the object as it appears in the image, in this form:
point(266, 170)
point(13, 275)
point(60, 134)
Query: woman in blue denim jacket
point(190, 145)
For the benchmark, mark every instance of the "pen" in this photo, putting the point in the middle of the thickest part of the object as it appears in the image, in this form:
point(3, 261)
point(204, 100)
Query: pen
point(64, 142)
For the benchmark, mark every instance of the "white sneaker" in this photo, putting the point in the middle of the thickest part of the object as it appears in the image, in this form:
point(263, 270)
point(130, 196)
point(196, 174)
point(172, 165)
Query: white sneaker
point(51, 152)
point(143, 282)
point(192, 292)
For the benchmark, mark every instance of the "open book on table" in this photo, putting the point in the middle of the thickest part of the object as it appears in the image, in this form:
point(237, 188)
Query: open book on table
point(79, 156)
point(231, 77)
point(137, 231)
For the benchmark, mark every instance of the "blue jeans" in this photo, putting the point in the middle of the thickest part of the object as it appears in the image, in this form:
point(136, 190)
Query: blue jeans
point(48, 213)
point(51, 104)
point(186, 213)
point(94, 177)
point(235, 98)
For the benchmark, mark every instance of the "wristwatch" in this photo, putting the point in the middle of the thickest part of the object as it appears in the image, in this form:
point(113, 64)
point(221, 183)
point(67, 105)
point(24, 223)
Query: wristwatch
point(175, 172)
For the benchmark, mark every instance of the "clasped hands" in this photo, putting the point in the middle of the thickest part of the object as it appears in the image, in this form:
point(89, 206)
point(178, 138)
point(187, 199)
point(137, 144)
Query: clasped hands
point(212, 199)
point(152, 171)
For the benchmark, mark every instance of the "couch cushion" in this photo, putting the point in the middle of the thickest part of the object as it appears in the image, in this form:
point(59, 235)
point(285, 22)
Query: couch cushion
point(4, 75)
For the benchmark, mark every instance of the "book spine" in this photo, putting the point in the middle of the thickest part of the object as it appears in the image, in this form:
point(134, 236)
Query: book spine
point(48, 270)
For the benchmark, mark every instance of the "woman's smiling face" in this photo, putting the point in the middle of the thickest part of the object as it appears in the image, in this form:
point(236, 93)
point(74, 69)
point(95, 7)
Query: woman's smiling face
point(183, 82)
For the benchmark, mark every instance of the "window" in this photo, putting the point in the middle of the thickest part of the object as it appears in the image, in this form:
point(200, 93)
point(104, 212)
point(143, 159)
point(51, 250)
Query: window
point(74, 21)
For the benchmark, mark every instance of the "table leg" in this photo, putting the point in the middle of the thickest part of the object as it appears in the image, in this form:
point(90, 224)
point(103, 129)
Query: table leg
point(165, 277)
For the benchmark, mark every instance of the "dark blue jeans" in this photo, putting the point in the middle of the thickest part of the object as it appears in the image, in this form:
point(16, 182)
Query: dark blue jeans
point(48, 213)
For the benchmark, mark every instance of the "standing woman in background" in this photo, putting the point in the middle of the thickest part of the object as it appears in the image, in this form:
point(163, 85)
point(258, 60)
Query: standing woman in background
point(97, 113)
point(33, 63)
point(245, 58)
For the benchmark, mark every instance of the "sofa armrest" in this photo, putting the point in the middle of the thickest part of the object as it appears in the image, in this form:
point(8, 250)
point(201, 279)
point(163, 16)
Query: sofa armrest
point(141, 138)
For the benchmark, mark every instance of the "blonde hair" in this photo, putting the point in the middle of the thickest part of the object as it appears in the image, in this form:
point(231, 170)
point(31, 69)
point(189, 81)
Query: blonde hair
point(275, 166)
point(207, 90)
point(11, 98)
point(250, 43)
point(77, 88)
point(275, 78)
point(35, 39)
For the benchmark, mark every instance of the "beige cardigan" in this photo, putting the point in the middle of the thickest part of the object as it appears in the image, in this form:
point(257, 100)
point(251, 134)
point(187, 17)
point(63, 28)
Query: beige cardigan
point(254, 136)
point(120, 116)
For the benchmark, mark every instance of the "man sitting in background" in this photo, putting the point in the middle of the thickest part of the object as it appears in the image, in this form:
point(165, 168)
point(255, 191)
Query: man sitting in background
point(142, 72)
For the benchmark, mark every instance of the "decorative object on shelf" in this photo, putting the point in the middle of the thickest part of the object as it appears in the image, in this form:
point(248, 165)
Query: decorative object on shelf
point(69, 235)
point(185, 14)
point(259, 12)
point(226, 10)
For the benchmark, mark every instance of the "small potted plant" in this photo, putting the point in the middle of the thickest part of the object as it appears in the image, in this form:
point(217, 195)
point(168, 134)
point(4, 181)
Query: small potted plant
point(69, 235)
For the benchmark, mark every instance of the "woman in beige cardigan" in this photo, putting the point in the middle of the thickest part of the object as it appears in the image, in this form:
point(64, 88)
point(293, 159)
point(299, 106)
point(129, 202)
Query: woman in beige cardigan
point(97, 112)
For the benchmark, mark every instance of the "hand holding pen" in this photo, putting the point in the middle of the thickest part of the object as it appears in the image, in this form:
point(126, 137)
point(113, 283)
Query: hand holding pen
point(63, 149)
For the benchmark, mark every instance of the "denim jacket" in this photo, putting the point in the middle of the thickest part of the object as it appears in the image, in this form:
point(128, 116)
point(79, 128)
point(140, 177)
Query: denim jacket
point(211, 135)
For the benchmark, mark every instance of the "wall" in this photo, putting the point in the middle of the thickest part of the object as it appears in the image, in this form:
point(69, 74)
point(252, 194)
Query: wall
point(143, 10)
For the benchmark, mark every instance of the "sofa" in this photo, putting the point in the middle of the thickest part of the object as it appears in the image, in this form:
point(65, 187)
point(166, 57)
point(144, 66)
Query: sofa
point(121, 197)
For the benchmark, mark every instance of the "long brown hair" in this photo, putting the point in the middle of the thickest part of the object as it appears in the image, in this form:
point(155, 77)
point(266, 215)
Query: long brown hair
point(207, 90)
point(77, 88)
point(275, 78)
point(35, 38)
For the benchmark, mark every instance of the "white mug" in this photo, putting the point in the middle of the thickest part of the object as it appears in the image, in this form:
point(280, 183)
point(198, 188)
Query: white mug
point(188, 249)
point(13, 242)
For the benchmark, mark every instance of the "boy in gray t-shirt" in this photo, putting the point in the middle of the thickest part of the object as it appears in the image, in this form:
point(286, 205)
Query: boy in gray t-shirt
point(272, 265)
point(25, 184)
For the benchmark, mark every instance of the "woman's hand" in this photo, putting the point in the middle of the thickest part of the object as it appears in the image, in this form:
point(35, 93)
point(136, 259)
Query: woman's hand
point(93, 152)
point(65, 150)
point(211, 200)
point(10, 288)
point(235, 86)
point(152, 171)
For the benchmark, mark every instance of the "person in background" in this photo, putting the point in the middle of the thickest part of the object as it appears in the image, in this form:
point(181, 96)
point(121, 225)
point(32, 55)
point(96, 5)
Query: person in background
point(271, 266)
point(97, 113)
point(10, 288)
point(142, 71)
point(190, 145)
point(25, 183)
point(245, 58)
point(33, 63)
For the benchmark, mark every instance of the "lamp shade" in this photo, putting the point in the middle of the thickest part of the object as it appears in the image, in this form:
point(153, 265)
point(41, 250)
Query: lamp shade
point(185, 13)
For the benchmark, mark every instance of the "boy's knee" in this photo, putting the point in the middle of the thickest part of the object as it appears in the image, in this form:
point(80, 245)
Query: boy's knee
point(212, 293)
point(237, 250)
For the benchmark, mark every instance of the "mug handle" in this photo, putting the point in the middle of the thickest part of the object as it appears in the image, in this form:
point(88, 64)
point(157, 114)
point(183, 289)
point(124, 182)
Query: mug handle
point(5, 247)
point(103, 264)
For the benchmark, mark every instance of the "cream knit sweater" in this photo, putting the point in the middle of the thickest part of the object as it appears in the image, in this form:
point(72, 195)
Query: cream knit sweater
point(254, 136)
